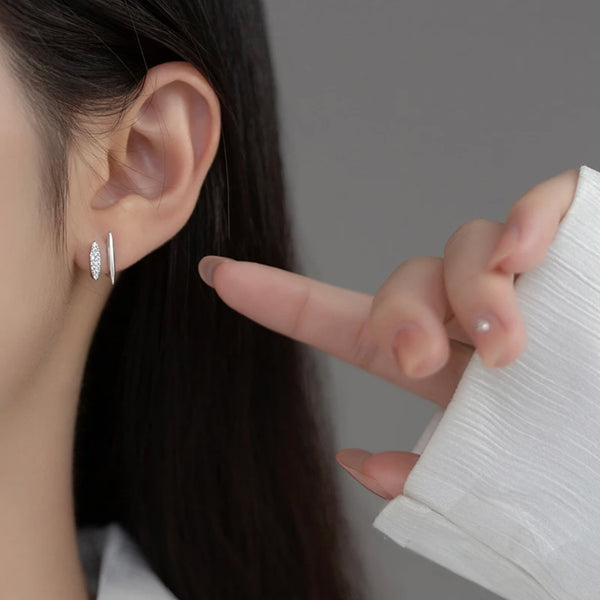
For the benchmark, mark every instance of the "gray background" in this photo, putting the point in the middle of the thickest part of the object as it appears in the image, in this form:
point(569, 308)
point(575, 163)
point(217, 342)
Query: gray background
point(400, 122)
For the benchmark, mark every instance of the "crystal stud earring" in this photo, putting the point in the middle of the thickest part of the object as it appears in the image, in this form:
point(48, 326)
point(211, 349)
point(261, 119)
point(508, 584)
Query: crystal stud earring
point(96, 259)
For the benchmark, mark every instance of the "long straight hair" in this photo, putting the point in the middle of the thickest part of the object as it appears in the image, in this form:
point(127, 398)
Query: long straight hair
point(204, 434)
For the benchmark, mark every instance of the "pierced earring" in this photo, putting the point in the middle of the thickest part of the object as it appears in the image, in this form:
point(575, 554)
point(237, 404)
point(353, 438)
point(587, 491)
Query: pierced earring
point(96, 259)
point(111, 257)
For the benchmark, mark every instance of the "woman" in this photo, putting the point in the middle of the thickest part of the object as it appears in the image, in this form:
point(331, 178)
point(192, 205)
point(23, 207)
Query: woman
point(196, 430)
point(137, 137)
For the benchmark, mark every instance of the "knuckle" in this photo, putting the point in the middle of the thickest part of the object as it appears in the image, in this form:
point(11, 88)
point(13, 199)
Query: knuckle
point(416, 265)
point(419, 262)
point(404, 293)
point(300, 314)
point(464, 230)
point(365, 347)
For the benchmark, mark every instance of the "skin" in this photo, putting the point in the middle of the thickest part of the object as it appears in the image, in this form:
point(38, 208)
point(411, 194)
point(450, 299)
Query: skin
point(141, 185)
point(482, 261)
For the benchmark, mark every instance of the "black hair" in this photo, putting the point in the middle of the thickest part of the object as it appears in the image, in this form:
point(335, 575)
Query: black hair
point(204, 434)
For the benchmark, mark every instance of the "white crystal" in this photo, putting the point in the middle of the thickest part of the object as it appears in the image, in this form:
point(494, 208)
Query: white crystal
point(95, 260)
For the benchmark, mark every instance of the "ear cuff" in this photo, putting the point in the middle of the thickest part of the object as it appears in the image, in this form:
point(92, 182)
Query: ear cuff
point(96, 259)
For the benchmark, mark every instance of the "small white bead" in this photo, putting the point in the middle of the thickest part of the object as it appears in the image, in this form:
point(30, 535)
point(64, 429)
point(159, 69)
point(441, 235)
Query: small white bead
point(482, 325)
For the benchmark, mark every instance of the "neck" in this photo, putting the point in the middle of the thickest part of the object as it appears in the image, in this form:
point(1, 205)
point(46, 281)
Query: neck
point(39, 555)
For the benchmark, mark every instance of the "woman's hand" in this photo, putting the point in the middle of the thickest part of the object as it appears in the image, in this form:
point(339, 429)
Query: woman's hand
point(460, 303)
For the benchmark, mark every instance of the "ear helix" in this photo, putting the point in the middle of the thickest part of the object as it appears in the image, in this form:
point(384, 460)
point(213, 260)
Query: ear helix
point(96, 259)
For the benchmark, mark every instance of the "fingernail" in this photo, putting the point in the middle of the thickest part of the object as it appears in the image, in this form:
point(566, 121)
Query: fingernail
point(506, 244)
point(207, 266)
point(352, 463)
point(408, 348)
point(489, 336)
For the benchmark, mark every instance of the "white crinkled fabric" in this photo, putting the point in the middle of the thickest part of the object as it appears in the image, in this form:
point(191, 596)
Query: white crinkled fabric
point(506, 492)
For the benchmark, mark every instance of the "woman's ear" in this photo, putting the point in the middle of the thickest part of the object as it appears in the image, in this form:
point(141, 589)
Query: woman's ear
point(145, 182)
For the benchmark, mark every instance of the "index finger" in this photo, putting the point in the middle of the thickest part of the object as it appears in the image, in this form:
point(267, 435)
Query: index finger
point(329, 318)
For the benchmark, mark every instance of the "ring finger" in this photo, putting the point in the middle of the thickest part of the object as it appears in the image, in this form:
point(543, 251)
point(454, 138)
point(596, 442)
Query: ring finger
point(483, 301)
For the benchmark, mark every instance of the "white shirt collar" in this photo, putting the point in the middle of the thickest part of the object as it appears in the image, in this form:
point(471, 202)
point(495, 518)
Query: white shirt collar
point(115, 567)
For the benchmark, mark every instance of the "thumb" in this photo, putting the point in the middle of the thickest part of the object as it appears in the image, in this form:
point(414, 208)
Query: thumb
point(383, 473)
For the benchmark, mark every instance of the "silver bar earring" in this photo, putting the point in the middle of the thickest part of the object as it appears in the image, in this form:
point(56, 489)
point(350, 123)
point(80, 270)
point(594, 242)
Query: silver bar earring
point(111, 257)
